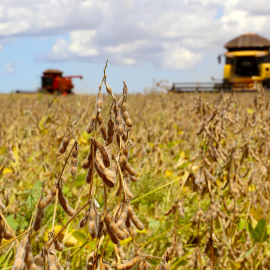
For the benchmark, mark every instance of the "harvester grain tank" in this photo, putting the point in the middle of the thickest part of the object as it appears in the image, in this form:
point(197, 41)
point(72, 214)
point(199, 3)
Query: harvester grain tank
point(53, 81)
point(247, 60)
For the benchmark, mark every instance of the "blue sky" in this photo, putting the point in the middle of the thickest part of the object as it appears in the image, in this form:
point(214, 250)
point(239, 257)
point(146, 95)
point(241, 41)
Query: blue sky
point(143, 40)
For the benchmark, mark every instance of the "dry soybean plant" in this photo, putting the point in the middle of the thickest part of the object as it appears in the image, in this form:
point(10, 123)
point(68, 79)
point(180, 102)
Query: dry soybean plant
point(230, 176)
point(81, 189)
point(108, 157)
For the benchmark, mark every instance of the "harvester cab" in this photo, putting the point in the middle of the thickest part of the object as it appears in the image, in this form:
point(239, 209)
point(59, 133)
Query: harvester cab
point(52, 81)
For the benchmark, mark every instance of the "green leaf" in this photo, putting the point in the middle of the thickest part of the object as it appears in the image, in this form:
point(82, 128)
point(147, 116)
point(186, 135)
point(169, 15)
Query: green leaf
point(253, 233)
point(79, 236)
point(80, 180)
point(246, 254)
point(260, 228)
point(241, 224)
point(257, 233)
point(110, 246)
point(37, 186)
point(12, 222)
point(43, 121)
point(36, 190)
point(65, 189)
point(153, 223)
point(49, 210)
point(268, 229)
point(184, 165)
point(171, 144)
point(84, 135)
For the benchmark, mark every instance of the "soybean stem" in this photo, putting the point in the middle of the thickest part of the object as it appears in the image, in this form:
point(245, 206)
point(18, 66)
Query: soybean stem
point(103, 250)
point(75, 143)
point(121, 178)
point(30, 223)
point(105, 196)
point(104, 120)
point(92, 173)
point(55, 207)
point(55, 237)
point(111, 199)
point(15, 238)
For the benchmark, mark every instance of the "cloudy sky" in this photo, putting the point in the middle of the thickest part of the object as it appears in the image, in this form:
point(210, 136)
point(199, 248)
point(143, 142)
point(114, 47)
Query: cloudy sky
point(178, 40)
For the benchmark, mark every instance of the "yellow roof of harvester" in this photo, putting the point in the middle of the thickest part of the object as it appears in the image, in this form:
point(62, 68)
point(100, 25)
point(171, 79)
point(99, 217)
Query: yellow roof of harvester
point(249, 40)
point(246, 53)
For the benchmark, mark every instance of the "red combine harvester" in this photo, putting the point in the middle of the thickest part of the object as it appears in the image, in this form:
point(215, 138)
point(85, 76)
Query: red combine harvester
point(53, 81)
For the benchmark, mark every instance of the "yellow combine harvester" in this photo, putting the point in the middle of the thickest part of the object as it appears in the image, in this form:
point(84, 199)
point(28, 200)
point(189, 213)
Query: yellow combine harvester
point(246, 61)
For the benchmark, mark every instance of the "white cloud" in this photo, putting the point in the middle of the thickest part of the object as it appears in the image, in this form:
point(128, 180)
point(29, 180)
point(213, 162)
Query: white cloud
point(83, 44)
point(260, 7)
point(169, 34)
point(9, 67)
point(9, 70)
point(176, 57)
